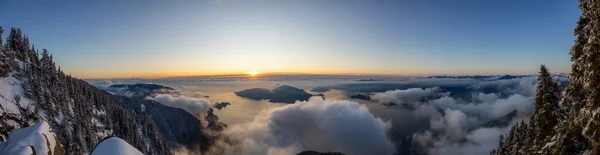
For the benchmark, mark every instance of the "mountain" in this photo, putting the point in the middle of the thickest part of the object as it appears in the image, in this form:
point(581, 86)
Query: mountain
point(140, 90)
point(282, 94)
point(34, 89)
point(177, 126)
point(361, 97)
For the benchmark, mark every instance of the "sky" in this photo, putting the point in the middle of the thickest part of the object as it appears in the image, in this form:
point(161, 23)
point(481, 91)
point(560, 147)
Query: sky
point(152, 38)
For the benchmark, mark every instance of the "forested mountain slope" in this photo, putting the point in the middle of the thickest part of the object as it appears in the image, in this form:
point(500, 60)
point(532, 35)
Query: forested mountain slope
point(33, 89)
point(176, 125)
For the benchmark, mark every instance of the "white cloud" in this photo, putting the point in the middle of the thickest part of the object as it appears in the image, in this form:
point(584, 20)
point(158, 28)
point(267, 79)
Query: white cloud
point(320, 125)
point(189, 104)
point(407, 96)
point(480, 141)
point(486, 98)
point(103, 84)
point(521, 86)
point(454, 124)
point(198, 95)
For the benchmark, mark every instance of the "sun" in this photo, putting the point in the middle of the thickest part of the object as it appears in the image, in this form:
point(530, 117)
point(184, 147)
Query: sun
point(252, 73)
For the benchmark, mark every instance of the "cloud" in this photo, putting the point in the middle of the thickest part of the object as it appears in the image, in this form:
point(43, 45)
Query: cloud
point(407, 96)
point(507, 87)
point(102, 84)
point(455, 125)
point(480, 141)
point(189, 104)
point(320, 125)
point(199, 95)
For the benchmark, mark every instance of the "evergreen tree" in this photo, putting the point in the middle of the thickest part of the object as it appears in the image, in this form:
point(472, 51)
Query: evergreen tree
point(591, 110)
point(581, 130)
point(513, 140)
point(523, 135)
point(530, 138)
point(547, 111)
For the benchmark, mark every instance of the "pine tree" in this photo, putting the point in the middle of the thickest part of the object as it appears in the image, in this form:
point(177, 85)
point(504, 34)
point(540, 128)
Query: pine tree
point(581, 130)
point(530, 138)
point(547, 111)
point(523, 135)
point(514, 139)
point(591, 130)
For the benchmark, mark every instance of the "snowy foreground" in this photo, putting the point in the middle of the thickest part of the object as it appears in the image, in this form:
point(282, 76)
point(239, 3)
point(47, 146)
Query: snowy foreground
point(39, 139)
point(35, 139)
point(115, 146)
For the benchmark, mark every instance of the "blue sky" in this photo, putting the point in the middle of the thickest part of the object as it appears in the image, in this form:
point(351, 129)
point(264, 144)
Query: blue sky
point(103, 39)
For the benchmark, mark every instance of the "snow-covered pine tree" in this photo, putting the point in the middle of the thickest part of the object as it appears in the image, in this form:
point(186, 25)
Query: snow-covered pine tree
point(526, 138)
point(547, 111)
point(523, 135)
point(591, 110)
point(514, 140)
point(530, 138)
point(581, 130)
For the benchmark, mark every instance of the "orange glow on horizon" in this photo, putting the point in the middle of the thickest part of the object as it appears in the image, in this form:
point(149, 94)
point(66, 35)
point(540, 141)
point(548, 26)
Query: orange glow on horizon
point(252, 73)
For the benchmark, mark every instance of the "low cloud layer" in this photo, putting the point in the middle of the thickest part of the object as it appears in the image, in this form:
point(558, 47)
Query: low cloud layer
point(455, 125)
point(407, 96)
point(320, 125)
point(102, 84)
point(189, 104)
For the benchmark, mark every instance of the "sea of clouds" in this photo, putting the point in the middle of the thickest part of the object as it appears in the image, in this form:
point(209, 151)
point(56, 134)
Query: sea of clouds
point(317, 124)
point(455, 111)
point(455, 125)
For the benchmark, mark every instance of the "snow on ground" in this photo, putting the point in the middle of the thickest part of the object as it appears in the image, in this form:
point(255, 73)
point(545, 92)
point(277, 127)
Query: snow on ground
point(115, 146)
point(35, 138)
point(9, 88)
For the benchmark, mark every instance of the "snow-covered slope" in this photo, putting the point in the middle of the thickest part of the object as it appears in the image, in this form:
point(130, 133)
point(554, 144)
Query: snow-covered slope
point(15, 108)
point(35, 139)
point(115, 146)
point(34, 89)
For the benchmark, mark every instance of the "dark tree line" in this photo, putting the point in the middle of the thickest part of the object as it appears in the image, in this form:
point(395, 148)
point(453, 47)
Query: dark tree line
point(79, 113)
point(572, 126)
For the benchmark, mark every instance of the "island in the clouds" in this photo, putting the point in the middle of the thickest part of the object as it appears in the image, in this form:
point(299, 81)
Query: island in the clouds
point(361, 97)
point(281, 94)
point(221, 105)
point(320, 89)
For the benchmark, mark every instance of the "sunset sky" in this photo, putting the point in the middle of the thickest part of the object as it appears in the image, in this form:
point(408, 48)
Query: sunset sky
point(114, 38)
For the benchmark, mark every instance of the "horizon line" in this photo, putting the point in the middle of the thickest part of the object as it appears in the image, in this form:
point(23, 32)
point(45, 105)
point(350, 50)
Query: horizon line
point(307, 74)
